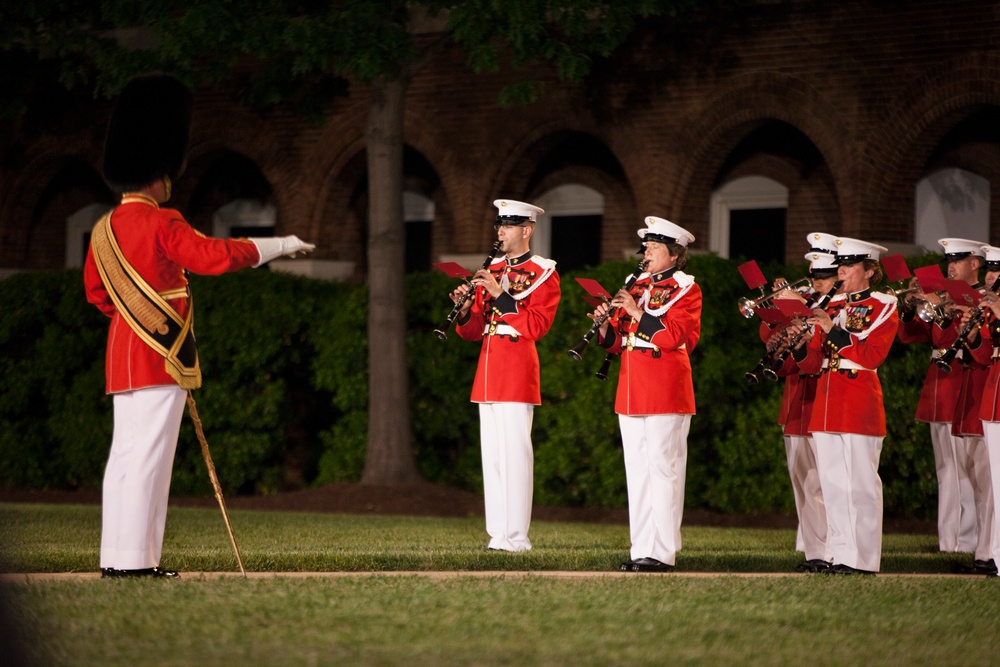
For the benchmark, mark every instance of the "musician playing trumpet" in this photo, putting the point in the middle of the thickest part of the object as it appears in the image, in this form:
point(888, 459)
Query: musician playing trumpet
point(983, 344)
point(654, 326)
point(796, 408)
point(847, 421)
point(949, 403)
point(514, 306)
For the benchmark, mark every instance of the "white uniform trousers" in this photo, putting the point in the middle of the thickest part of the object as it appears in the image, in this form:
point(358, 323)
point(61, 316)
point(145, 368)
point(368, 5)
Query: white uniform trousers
point(810, 538)
point(992, 430)
point(508, 473)
point(979, 472)
point(655, 448)
point(137, 477)
point(957, 526)
point(852, 494)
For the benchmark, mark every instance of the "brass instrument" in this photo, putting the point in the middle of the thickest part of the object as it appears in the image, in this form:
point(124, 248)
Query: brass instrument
point(749, 306)
point(441, 333)
point(976, 315)
point(577, 352)
point(775, 355)
point(938, 313)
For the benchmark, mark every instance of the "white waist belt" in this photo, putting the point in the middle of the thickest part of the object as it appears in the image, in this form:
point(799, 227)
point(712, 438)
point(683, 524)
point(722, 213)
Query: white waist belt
point(846, 365)
point(501, 330)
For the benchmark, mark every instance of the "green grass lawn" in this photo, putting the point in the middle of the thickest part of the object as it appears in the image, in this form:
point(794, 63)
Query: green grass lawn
point(375, 619)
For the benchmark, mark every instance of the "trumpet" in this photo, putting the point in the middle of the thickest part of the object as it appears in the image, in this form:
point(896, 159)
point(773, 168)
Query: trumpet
point(937, 313)
point(976, 315)
point(577, 352)
point(441, 333)
point(749, 306)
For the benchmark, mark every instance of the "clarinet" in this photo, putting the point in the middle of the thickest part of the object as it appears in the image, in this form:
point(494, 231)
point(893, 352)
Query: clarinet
point(602, 372)
point(440, 333)
point(577, 352)
point(976, 315)
point(777, 361)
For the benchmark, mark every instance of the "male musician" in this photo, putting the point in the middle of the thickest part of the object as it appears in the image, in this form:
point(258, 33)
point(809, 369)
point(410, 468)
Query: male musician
point(514, 306)
point(797, 399)
point(848, 419)
point(983, 343)
point(134, 273)
point(654, 328)
point(939, 401)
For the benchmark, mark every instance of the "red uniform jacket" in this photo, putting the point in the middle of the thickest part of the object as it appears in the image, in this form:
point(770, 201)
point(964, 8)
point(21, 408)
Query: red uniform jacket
point(799, 392)
point(509, 326)
point(939, 396)
point(655, 376)
point(159, 245)
point(848, 393)
point(983, 353)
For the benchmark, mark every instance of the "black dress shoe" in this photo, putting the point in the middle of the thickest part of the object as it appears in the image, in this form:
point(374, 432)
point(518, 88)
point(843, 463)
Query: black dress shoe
point(813, 565)
point(626, 566)
point(153, 572)
point(840, 568)
point(986, 567)
point(650, 565)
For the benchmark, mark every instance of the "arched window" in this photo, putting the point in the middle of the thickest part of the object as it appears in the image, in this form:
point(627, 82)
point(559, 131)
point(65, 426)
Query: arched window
point(748, 219)
point(951, 203)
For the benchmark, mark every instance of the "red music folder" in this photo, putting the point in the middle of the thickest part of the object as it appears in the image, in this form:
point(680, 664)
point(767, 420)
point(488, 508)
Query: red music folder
point(453, 269)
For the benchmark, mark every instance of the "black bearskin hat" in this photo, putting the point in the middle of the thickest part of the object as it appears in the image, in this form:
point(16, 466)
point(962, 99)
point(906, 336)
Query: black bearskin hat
point(148, 133)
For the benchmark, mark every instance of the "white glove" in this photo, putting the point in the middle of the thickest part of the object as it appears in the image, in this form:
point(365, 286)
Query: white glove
point(280, 246)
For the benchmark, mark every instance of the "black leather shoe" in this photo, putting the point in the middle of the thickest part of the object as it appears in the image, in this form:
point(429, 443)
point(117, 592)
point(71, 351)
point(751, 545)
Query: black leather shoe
point(109, 573)
point(813, 565)
point(153, 572)
point(986, 567)
point(650, 565)
point(840, 568)
point(626, 566)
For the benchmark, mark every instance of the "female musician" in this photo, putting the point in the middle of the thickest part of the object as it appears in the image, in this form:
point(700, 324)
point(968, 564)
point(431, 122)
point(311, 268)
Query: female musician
point(655, 326)
point(514, 306)
point(848, 419)
point(796, 407)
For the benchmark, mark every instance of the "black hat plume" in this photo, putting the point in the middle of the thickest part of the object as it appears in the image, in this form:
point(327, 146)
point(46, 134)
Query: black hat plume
point(148, 133)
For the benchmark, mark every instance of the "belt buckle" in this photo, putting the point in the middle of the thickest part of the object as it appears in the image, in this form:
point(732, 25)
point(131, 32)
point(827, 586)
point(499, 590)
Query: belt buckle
point(493, 328)
point(835, 364)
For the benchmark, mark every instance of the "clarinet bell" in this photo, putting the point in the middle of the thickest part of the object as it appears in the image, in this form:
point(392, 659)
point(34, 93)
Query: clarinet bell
point(440, 334)
point(752, 378)
point(943, 365)
point(770, 374)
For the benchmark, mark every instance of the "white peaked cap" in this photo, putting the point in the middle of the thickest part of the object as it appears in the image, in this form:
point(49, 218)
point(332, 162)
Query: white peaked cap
point(509, 208)
point(822, 242)
point(992, 253)
point(664, 231)
point(856, 250)
point(821, 261)
point(962, 247)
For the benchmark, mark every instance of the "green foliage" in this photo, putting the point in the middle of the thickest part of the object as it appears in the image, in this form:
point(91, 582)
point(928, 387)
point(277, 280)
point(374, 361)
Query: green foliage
point(285, 396)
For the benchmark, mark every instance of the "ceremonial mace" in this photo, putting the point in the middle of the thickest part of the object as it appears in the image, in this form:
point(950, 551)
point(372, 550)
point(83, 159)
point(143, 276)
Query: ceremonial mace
point(193, 411)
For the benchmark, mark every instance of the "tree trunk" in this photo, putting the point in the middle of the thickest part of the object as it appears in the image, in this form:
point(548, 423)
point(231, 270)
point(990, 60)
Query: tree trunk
point(389, 459)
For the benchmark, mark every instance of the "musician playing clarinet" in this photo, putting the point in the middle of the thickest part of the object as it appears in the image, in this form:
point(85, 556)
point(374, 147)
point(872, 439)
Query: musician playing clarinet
point(848, 419)
point(513, 307)
point(654, 327)
point(796, 408)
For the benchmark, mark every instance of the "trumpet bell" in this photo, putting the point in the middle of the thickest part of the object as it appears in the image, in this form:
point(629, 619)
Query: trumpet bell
point(747, 307)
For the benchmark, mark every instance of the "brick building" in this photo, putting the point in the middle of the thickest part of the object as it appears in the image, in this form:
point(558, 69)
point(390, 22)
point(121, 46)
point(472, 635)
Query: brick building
point(875, 119)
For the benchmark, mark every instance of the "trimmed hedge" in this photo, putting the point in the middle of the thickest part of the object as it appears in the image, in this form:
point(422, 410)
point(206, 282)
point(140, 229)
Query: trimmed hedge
point(285, 395)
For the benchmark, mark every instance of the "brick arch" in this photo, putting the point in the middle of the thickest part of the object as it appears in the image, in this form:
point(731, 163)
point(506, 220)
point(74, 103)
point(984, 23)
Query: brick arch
point(517, 177)
point(731, 115)
point(20, 210)
point(912, 128)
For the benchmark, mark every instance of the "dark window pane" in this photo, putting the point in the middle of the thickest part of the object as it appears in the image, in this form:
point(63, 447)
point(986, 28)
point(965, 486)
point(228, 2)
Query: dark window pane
point(757, 234)
point(576, 241)
point(418, 245)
